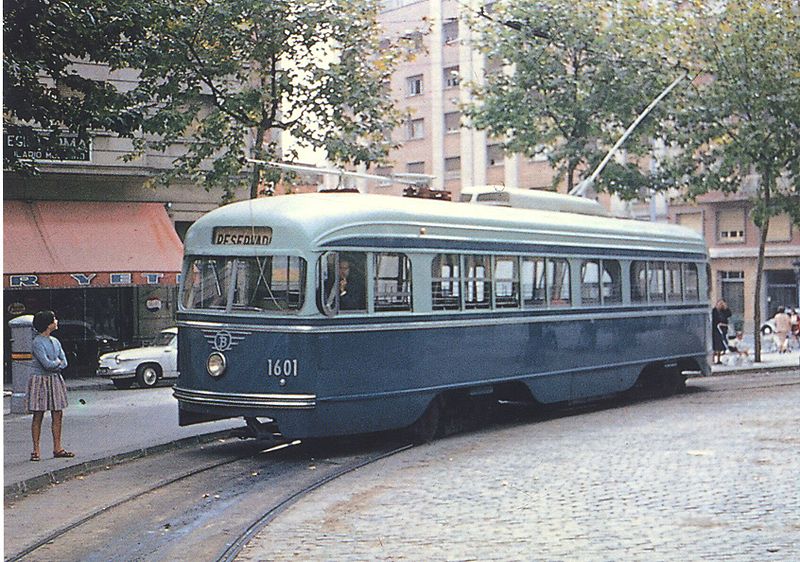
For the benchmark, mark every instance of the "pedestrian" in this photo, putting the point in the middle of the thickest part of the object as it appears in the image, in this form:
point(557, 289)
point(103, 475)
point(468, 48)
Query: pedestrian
point(795, 320)
point(783, 325)
point(46, 388)
point(719, 329)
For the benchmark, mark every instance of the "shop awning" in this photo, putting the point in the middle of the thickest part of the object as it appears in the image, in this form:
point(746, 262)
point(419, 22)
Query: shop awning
point(89, 244)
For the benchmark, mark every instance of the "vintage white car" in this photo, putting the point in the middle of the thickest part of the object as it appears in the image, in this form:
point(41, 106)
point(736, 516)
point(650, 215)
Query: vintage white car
point(144, 365)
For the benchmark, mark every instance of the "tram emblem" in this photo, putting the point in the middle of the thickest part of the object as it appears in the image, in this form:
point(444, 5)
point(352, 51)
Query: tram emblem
point(223, 340)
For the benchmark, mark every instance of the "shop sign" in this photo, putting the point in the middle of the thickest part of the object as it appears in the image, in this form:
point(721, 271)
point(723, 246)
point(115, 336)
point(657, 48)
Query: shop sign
point(16, 308)
point(27, 143)
point(23, 281)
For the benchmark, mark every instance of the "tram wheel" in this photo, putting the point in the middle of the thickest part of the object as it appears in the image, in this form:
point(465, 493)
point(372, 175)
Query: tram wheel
point(671, 382)
point(426, 428)
point(147, 376)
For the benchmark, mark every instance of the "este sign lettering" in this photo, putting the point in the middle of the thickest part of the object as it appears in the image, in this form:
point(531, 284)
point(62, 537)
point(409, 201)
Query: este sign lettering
point(242, 236)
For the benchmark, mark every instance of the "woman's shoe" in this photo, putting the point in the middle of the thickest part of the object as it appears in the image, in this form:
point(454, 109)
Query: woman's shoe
point(63, 454)
point(35, 457)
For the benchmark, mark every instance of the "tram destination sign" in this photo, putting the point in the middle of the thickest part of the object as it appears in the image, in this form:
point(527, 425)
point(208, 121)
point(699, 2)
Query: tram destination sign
point(242, 235)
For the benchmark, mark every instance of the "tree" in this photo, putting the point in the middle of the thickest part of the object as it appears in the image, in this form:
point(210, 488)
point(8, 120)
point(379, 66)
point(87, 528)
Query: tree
point(223, 78)
point(41, 40)
point(742, 117)
point(579, 74)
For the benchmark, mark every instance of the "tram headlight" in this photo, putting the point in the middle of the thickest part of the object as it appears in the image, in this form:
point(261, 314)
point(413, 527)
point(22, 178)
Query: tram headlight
point(216, 364)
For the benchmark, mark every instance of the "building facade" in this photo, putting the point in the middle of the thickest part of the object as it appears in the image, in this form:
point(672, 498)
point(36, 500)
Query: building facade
point(88, 237)
point(733, 240)
point(430, 89)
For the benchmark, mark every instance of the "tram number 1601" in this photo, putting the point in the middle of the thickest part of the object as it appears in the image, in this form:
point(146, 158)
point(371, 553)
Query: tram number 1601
point(282, 368)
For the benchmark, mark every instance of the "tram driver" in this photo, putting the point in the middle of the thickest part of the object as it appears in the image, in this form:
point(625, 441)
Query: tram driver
point(351, 285)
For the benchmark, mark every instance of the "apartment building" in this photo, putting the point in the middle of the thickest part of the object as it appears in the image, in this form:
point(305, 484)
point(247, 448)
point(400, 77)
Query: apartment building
point(430, 90)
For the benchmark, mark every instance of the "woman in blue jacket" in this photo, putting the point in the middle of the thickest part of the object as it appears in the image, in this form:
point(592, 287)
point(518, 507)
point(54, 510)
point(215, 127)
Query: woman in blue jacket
point(46, 388)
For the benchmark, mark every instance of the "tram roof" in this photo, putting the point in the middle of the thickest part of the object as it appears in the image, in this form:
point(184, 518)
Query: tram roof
point(312, 221)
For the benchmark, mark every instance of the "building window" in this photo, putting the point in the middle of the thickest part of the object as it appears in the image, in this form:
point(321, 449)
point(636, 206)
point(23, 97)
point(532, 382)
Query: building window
point(452, 122)
point(780, 229)
point(730, 226)
point(416, 129)
point(450, 31)
point(450, 77)
point(414, 85)
point(452, 167)
point(415, 167)
point(494, 155)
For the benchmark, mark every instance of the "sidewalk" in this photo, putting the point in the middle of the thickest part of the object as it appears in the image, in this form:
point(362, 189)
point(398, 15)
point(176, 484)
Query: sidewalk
point(105, 426)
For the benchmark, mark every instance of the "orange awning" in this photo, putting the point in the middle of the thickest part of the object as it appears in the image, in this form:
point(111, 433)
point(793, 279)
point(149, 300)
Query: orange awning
point(89, 244)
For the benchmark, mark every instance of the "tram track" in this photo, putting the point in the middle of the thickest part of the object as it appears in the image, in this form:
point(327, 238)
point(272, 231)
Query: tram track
point(199, 510)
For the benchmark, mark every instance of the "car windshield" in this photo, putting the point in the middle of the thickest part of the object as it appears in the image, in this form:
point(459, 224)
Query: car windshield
point(163, 338)
point(260, 284)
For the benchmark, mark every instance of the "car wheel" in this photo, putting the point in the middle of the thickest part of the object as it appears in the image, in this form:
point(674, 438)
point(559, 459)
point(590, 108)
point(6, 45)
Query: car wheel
point(122, 384)
point(766, 330)
point(147, 375)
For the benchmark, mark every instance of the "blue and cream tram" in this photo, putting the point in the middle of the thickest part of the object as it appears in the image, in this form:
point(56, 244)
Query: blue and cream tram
point(338, 314)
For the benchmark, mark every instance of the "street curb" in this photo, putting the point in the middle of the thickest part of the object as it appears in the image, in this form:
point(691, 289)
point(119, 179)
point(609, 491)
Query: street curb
point(756, 370)
point(37, 483)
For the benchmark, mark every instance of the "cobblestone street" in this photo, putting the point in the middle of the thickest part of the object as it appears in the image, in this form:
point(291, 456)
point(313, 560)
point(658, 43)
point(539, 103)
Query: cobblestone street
point(711, 474)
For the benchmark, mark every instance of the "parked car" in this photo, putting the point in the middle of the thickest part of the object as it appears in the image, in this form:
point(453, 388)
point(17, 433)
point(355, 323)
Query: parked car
point(82, 346)
point(143, 365)
point(768, 327)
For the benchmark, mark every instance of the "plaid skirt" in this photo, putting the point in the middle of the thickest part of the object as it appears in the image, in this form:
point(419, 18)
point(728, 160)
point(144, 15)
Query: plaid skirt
point(46, 392)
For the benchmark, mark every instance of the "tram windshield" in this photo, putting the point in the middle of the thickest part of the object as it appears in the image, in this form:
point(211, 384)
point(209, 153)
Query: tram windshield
point(259, 284)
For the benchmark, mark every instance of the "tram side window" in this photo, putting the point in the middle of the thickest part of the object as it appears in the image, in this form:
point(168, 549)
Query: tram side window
point(558, 290)
point(655, 281)
point(506, 272)
point(343, 286)
point(691, 282)
point(392, 282)
point(477, 282)
point(673, 278)
point(612, 282)
point(590, 282)
point(639, 281)
point(446, 282)
point(533, 282)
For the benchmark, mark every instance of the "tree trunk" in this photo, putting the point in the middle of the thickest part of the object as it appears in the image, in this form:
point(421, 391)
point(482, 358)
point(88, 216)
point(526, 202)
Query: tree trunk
point(760, 269)
point(258, 154)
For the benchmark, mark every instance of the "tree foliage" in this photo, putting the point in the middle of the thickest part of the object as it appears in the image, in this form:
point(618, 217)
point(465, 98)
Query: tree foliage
point(579, 75)
point(41, 41)
point(742, 116)
point(225, 77)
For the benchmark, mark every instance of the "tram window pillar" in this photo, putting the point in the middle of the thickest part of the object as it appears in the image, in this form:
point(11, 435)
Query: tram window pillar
point(421, 281)
point(625, 279)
